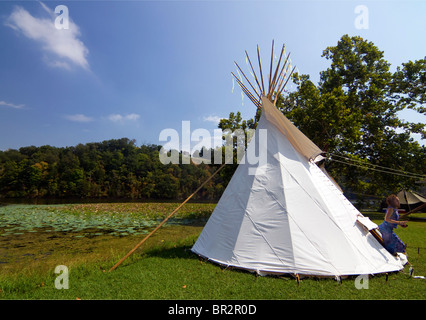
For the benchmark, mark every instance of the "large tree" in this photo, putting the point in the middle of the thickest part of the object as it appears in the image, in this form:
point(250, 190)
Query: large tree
point(352, 113)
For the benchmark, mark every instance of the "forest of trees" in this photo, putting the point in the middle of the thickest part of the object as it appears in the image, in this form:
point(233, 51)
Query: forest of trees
point(113, 168)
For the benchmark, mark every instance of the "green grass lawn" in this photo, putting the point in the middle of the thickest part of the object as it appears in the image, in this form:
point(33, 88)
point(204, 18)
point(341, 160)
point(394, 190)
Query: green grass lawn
point(165, 268)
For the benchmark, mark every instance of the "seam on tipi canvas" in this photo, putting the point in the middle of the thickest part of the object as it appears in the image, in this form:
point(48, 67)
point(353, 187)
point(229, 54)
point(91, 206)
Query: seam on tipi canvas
point(339, 195)
point(245, 213)
point(345, 202)
point(323, 211)
point(266, 240)
point(307, 193)
point(263, 236)
point(315, 246)
point(279, 155)
point(344, 234)
point(278, 158)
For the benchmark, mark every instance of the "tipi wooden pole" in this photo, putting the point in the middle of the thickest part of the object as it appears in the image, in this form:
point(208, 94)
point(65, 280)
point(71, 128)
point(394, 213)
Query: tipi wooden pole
point(414, 210)
point(270, 68)
point(165, 220)
point(275, 79)
point(247, 80)
point(247, 92)
point(260, 68)
point(254, 74)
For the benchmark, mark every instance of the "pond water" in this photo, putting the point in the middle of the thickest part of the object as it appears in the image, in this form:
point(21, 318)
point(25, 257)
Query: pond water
point(37, 232)
point(117, 219)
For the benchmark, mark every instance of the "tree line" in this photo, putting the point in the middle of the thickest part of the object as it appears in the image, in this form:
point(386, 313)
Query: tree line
point(352, 114)
point(114, 168)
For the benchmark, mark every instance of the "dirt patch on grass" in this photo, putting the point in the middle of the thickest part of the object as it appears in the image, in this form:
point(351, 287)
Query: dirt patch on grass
point(42, 251)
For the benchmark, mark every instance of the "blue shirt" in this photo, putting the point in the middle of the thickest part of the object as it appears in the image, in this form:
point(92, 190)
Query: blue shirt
point(394, 216)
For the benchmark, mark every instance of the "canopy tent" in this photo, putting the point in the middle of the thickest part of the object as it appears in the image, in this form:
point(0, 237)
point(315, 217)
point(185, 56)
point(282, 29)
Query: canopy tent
point(407, 197)
point(287, 216)
point(411, 201)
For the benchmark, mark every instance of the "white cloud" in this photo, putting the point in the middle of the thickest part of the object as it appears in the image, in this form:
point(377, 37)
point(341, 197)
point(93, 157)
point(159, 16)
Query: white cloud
point(214, 119)
point(64, 45)
point(11, 105)
point(121, 118)
point(115, 117)
point(78, 118)
point(58, 64)
point(132, 116)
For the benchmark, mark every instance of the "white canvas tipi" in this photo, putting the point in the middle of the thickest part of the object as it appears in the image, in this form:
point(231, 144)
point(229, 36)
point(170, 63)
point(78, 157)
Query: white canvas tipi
point(286, 216)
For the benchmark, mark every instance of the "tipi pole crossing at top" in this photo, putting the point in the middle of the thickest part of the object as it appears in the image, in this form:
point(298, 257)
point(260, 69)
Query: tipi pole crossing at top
point(276, 81)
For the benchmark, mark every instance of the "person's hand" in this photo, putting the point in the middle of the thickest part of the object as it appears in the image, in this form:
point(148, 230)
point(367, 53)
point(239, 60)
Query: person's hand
point(403, 224)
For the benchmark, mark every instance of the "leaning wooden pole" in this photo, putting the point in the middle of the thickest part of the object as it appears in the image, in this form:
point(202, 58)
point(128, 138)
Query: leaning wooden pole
point(165, 220)
point(414, 210)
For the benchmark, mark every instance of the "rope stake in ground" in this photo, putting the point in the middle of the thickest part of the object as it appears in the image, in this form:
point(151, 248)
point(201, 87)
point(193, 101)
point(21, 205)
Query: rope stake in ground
point(165, 220)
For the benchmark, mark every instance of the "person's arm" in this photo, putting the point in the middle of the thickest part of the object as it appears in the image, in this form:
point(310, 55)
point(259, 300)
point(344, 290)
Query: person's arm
point(388, 218)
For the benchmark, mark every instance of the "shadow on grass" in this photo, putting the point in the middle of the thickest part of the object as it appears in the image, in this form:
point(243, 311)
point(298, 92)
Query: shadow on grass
point(174, 252)
point(184, 252)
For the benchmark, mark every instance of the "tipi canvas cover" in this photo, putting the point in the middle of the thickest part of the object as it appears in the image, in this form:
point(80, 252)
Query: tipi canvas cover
point(286, 216)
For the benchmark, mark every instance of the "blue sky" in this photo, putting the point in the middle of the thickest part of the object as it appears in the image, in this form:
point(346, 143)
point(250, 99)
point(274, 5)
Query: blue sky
point(133, 68)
